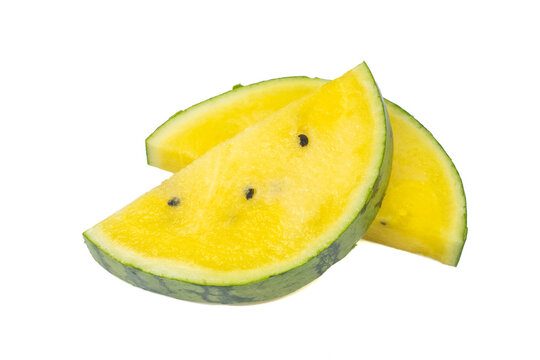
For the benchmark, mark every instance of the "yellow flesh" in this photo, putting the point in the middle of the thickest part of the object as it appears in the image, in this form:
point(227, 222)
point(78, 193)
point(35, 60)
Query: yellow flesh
point(304, 196)
point(423, 209)
point(424, 205)
point(188, 140)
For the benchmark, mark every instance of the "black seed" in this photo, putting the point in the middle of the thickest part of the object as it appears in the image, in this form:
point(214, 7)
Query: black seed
point(383, 223)
point(303, 140)
point(173, 201)
point(249, 193)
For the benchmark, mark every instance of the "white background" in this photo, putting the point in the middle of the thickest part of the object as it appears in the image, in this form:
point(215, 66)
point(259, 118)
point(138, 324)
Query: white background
point(83, 83)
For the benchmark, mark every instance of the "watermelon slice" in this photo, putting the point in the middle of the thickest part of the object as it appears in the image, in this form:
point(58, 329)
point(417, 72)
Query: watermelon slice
point(265, 212)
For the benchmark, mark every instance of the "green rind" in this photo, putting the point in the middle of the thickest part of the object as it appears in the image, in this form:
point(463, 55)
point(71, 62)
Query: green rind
point(274, 286)
point(237, 89)
point(453, 166)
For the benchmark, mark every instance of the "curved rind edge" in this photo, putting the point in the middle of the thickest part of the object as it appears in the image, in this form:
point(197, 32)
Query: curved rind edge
point(275, 286)
point(453, 166)
point(235, 90)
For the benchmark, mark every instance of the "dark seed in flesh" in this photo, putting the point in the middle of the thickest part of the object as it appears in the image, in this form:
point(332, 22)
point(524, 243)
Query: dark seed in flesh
point(173, 201)
point(383, 223)
point(249, 193)
point(303, 140)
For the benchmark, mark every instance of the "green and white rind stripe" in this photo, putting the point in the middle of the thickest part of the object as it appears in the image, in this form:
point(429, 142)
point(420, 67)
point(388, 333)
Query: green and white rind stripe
point(262, 290)
point(461, 232)
point(274, 286)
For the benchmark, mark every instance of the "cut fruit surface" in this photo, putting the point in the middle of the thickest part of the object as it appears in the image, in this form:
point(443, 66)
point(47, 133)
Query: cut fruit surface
point(424, 210)
point(190, 133)
point(266, 212)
